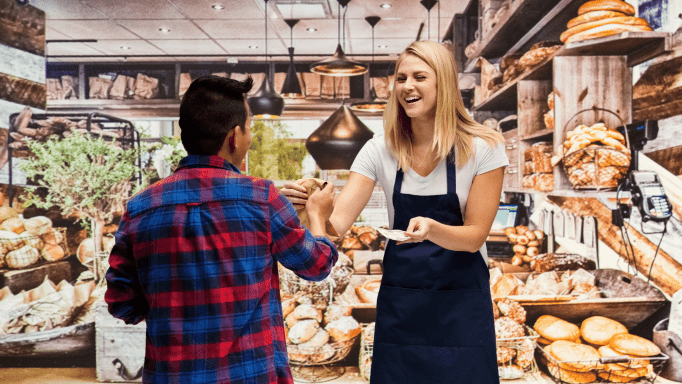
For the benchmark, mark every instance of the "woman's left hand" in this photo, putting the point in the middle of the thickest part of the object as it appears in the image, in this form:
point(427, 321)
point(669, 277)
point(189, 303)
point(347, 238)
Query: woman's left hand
point(417, 230)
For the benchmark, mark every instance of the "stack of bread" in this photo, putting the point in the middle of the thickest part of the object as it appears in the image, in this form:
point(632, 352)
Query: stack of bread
point(515, 344)
point(579, 283)
point(599, 18)
point(573, 354)
point(594, 156)
point(527, 243)
point(317, 334)
point(360, 238)
point(538, 170)
point(25, 242)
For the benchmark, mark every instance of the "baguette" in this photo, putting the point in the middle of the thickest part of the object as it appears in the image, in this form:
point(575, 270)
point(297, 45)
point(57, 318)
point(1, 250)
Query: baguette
point(593, 16)
point(627, 20)
point(607, 5)
point(606, 30)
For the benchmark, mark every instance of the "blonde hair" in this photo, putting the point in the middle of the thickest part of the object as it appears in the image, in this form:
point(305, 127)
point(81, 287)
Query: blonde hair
point(454, 128)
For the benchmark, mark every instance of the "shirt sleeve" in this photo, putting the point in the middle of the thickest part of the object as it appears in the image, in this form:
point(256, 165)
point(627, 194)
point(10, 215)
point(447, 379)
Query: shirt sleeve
point(365, 162)
point(309, 257)
point(124, 296)
point(489, 157)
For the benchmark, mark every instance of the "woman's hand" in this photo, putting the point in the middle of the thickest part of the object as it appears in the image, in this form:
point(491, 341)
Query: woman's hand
point(296, 193)
point(418, 230)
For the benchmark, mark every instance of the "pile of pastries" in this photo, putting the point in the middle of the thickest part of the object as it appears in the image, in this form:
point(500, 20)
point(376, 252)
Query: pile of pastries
point(580, 283)
point(527, 243)
point(515, 349)
point(25, 242)
point(599, 18)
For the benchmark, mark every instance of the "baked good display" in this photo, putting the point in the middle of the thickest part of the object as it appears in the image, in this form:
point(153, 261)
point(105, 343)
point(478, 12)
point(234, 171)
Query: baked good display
point(515, 342)
point(360, 238)
point(598, 330)
point(589, 26)
point(527, 243)
point(599, 18)
point(538, 53)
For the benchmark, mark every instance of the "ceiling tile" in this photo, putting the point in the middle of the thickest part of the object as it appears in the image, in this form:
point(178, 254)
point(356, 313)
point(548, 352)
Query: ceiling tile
point(237, 29)
point(326, 28)
point(51, 34)
point(189, 47)
point(202, 9)
point(138, 9)
point(241, 47)
point(364, 46)
point(66, 9)
point(90, 29)
point(149, 29)
point(78, 49)
point(137, 47)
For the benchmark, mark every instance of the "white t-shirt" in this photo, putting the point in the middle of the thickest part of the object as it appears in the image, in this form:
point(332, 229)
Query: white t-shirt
point(376, 162)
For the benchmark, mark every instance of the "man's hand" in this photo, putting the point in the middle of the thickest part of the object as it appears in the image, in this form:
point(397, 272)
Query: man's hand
point(296, 193)
point(321, 203)
point(417, 230)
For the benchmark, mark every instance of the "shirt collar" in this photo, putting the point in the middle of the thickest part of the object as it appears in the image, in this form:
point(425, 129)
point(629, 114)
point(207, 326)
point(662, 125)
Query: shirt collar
point(202, 161)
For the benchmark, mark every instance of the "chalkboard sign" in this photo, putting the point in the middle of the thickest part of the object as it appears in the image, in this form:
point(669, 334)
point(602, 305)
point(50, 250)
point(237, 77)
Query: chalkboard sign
point(655, 12)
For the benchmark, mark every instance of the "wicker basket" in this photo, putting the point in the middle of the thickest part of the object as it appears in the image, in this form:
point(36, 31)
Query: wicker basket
point(517, 347)
point(34, 243)
point(327, 354)
point(597, 167)
point(366, 350)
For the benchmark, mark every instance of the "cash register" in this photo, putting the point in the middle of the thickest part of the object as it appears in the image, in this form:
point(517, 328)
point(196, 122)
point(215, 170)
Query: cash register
point(497, 243)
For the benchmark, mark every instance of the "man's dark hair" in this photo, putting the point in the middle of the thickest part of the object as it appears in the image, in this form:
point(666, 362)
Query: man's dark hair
point(211, 107)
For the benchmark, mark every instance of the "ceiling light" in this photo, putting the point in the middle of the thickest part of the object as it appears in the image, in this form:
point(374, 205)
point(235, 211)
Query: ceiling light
point(218, 7)
point(164, 30)
point(374, 104)
point(383, 46)
point(125, 47)
point(291, 87)
point(266, 103)
point(338, 64)
point(253, 47)
point(385, 6)
point(311, 29)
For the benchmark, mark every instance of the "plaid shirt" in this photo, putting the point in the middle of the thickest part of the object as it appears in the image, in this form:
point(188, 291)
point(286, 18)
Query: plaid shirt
point(195, 257)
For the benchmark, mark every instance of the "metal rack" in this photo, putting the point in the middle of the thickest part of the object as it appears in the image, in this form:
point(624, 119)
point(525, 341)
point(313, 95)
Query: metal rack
point(130, 139)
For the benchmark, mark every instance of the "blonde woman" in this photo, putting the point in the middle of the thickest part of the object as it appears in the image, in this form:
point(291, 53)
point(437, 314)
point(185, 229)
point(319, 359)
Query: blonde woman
point(442, 174)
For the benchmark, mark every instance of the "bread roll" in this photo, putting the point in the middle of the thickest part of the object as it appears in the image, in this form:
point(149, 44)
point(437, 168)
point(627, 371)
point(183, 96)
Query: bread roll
point(513, 238)
point(323, 354)
point(39, 225)
point(568, 376)
point(509, 371)
point(606, 351)
point(54, 237)
point(626, 20)
point(336, 311)
point(510, 230)
point(541, 340)
point(550, 100)
point(22, 257)
point(577, 357)
point(606, 30)
point(539, 234)
point(521, 229)
point(599, 330)
point(14, 224)
point(533, 243)
point(517, 259)
point(368, 291)
point(506, 328)
point(343, 329)
point(607, 5)
point(527, 259)
point(553, 328)
point(52, 252)
point(512, 309)
point(613, 377)
point(633, 345)
point(288, 307)
point(519, 249)
point(290, 320)
point(307, 311)
point(532, 251)
point(526, 353)
point(593, 16)
point(7, 213)
point(505, 355)
point(522, 240)
point(319, 339)
point(303, 331)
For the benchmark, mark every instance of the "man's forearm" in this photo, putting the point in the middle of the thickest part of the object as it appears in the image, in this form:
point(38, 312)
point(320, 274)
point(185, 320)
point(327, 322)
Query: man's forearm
point(317, 225)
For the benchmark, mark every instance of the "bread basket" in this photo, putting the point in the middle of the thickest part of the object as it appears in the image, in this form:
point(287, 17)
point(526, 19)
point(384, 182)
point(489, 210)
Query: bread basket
point(27, 250)
point(327, 354)
point(517, 347)
point(598, 371)
point(599, 167)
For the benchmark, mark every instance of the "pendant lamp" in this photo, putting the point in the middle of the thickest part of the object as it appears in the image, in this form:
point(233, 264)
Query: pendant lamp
point(266, 103)
point(291, 87)
point(338, 140)
point(428, 4)
point(374, 104)
point(338, 64)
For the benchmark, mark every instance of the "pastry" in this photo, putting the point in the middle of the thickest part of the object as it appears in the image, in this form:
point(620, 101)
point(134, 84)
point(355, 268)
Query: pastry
point(607, 5)
point(593, 16)
point(288, 307)
point(303, 331)
point(599, 330)
point(525, 353)
point(368, 292)
point(506, 328)
point(633, 345)
point(38, 225)
point(343, 329)
point(626, 20)
point(607, 30)
point(554, 328)
point(505, 355)
point(575, 357)
point(307, 311)
point(512, 309)
point(336, 311)
point(320, 338)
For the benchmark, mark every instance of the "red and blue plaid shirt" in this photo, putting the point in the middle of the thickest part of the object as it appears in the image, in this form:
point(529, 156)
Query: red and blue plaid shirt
point(196, 257)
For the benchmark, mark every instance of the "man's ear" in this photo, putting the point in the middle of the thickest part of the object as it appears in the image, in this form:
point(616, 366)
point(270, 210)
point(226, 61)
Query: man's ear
point(231, 145)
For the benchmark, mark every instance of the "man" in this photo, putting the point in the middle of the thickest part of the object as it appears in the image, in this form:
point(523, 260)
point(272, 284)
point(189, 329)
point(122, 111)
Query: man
point(196, 253)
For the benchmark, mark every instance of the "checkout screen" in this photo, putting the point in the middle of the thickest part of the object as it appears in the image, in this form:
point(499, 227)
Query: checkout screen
point(506, 216)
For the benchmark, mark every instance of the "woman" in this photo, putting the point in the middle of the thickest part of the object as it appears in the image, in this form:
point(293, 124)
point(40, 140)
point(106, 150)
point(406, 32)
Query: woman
point(442, 173)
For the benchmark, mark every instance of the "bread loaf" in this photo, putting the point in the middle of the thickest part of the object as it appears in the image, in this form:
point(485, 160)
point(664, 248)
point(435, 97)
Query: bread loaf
point(307, 311)
point(625, 20)
point(343, 329)
point(288, 307)
point(607, 5)
point(14, 224)
point(303, 331)
point(633, 345)
point(368, 291)
point(554, 328)
point(593, 16)
point(52, 252)
point(599, 330)
point(39, 225)
point(506, 328)
point(572, 377)
point(319, 339)
point(336, 311)
point(606, 30)
point(578, 357)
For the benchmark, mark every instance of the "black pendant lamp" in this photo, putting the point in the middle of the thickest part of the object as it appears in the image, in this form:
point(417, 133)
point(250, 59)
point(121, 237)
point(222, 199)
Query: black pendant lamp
point(291, 87)
point(374, 104)
point(266, 103)
point(338, 140)
point(428, 4)
point(338, 64)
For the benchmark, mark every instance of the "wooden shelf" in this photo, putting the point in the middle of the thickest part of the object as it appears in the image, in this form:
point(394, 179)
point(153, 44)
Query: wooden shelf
point(541, 134)
point(568, 193)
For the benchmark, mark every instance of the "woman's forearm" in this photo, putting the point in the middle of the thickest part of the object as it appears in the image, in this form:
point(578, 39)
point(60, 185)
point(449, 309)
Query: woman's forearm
point(467, 238)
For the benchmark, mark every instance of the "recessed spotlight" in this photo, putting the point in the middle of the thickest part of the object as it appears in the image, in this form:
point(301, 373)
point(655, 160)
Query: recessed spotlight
point(253, 47)
point(218, 7)
point(311, 29)
point(383, 46)
point(385, 6)
point(125, 47)
point(164, 30)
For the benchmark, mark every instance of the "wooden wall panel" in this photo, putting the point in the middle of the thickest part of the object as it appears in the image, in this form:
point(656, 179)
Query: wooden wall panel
point(22, 91)
point(22, 27)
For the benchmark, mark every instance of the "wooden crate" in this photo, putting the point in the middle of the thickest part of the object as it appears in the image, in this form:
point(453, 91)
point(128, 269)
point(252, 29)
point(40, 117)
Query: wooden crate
point(120, 348)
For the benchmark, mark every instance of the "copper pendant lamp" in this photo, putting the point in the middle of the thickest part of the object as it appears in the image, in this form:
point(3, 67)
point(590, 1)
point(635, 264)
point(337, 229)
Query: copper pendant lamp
point(266, 103)
point(374, 104)
point(338, 140)
point(338, 64)
point(291, 87)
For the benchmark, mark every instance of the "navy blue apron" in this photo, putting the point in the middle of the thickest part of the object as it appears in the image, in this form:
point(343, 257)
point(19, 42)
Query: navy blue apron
point(434, 312)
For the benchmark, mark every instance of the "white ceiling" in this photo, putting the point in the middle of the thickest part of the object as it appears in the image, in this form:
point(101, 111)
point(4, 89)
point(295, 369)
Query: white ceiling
point(198, 29)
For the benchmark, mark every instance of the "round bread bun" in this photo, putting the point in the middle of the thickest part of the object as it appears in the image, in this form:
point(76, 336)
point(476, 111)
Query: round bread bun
point(606, 351)
point(368, 291)
point(620, 370)
point(613, 377)
point(625, 20)
point(593, 16)
point(519, 249)
point(288, 307)
point(52, 252)
point(7, 213)
point(303, 331)
point(336, 311)
point(530, 235)
point(505, 355)
point(606, 30)
point(599, 330)
point(517, 259)
point(521, 229)
point(512, 309)
point(633, 345)
point(14, 224)
point(39, 225)
point(553, 328)
point(568, 376)
point(607, 5)
point(542, 341)
point(533, 243)
point(509, 230)
point(319, 339)
point(513, 238)
point(522, 239)
point(578, 356)
point(343, 329)
point(539, 234)
point(323, 354)
point(532, 251)
point(510, 372)
point(307, 311)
